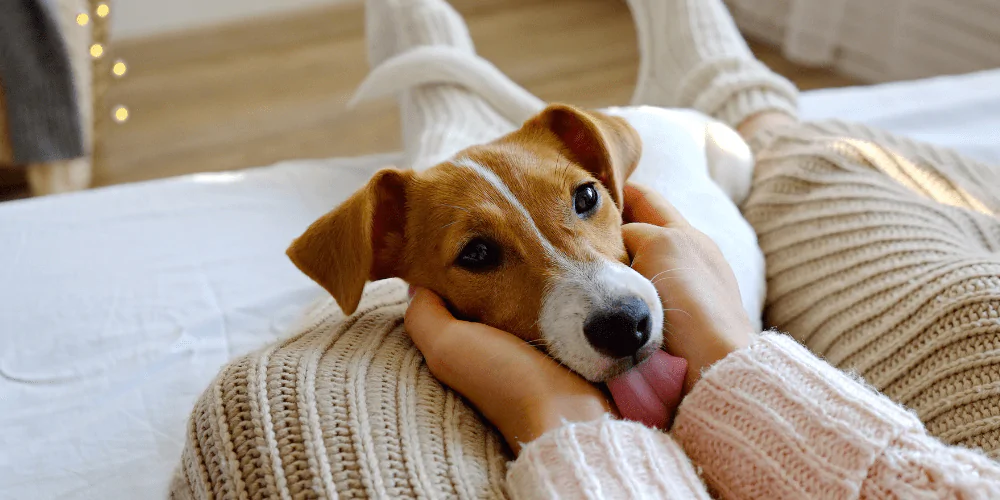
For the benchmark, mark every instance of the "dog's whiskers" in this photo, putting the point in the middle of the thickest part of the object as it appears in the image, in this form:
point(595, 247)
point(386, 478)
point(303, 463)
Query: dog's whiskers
point(656, 278)
point(665, 278)
point(657, 275)
point(678, 310)
point(667, 332)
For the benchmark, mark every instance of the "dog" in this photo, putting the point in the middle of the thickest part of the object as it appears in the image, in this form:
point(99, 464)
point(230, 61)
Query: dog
point(524, 233)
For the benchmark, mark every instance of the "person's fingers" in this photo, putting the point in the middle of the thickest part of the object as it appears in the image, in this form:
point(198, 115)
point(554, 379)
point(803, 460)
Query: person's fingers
point(469, 357)
point(645, 205)
point(426, 318)
point(515, 386)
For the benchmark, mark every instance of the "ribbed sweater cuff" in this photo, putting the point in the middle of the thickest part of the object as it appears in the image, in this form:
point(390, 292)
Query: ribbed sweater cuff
point(773, 421)
point(605, 458)
point(734, 89)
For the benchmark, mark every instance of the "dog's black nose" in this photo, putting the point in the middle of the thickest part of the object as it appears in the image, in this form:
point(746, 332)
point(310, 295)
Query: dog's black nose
point(619, 330)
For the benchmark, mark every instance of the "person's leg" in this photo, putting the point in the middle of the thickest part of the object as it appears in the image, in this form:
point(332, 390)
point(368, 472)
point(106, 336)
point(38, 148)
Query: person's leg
point(437, 120)
point(883, 255)
point(693, 56)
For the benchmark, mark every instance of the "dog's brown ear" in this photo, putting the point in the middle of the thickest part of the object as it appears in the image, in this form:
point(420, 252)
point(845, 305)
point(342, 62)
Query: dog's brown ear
point(358, 241)
point(607, 146)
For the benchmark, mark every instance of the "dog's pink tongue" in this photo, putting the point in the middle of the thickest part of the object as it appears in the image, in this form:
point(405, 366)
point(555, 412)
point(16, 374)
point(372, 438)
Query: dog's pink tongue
point(650, 392)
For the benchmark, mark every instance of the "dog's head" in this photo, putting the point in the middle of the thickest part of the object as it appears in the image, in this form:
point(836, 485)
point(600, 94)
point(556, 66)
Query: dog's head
point(523, 234)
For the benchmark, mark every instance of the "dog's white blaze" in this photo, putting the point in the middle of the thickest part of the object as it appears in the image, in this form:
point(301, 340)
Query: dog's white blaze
point(505, 191)
point(584, 288)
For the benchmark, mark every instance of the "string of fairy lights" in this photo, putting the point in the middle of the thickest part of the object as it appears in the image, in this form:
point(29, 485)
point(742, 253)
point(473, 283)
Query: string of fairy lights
point(119, 68)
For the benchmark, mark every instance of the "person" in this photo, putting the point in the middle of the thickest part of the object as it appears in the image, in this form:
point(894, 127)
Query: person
point(906, 297)
point(882, 257)
point(767, 419)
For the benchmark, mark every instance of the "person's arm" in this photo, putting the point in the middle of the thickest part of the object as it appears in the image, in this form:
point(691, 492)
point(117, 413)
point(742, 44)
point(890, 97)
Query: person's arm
point(559, 424)
point(606, 458)
point(764, 418)
point(767, 421)
point(774, 421)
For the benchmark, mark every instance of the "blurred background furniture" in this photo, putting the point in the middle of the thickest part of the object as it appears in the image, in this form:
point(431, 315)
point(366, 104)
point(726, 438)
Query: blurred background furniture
point(230, 84)
point(878, 41)
point(236, 83)
point(85, 40)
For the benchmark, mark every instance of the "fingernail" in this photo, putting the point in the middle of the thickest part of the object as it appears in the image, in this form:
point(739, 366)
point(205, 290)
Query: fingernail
point(410, 292)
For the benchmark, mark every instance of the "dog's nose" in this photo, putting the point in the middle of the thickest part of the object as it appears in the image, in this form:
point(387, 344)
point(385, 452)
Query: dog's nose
point(619, 330)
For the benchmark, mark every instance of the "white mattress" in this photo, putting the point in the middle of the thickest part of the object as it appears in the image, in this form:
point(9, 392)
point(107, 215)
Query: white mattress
point(118, 305)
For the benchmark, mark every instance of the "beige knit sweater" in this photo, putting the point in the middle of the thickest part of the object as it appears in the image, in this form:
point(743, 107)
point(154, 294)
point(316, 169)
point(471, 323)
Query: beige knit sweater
point(346, 409)
point(883, 256)
point(768, 422)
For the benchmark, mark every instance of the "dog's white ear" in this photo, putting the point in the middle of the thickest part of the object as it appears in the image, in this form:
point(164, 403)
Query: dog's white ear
point(607, 146)
point(358, 241)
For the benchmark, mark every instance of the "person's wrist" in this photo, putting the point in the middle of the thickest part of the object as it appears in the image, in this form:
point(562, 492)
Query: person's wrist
point(714, 347)
point(545, 415)
point(721, 349)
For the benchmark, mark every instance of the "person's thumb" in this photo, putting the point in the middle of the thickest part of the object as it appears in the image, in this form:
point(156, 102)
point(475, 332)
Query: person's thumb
point(643, 204)
point(638, 236)
point(426, 318)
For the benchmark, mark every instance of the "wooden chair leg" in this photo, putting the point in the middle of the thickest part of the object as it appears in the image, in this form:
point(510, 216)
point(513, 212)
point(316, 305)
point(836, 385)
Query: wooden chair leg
point(62, 176)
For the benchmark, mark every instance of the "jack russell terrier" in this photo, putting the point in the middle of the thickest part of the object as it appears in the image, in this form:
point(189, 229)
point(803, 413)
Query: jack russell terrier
point(524, 233)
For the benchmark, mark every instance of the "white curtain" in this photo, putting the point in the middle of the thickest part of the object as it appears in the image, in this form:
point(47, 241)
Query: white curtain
point(879, 40)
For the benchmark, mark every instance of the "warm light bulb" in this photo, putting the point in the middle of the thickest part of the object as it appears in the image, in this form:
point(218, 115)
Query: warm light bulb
point(96, 50)
point(103, 10)
point(82, 19)
point(121, 114)
point(119, 68)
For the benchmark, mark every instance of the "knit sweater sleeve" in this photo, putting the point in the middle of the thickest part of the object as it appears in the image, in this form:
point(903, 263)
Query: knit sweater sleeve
point(602, 459)
point(773, 421)
point(768, 421)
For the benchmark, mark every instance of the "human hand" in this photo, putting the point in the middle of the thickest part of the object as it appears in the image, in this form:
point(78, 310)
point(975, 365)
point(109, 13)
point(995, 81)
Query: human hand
point(703, 311)
point(523, 392)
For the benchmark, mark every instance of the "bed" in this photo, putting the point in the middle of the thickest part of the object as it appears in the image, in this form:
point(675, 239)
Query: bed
point(119, 305)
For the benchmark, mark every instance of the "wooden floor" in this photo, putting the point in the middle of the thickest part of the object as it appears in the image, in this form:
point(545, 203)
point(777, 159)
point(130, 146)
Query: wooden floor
point(276, 89)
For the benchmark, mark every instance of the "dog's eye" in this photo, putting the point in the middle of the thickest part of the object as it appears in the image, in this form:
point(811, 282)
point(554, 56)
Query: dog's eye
point(479, 255)
point(585, 199)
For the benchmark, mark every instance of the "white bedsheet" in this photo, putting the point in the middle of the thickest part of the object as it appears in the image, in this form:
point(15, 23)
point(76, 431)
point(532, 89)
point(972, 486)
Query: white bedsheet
point(960, 112)
point(118, 305)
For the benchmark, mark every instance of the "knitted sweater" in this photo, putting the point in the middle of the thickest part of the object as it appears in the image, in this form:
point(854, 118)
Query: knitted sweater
point(883, 256)
point(347, 409)
point(344, 408)
point(770, 421)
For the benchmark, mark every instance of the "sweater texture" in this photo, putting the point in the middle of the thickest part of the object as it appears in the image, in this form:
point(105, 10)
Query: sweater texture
point(346, 408)
point(883, 257)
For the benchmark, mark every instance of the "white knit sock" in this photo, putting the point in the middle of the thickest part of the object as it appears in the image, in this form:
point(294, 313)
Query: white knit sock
point(692, 56)
point(438, 120)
